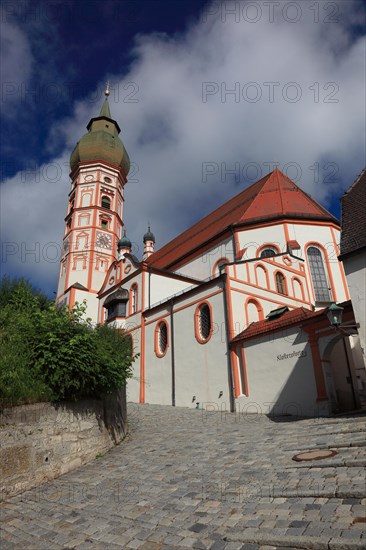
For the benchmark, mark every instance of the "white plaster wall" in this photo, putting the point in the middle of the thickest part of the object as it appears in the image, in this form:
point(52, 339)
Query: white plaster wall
point(158, 387)
point(201, 369)
point(77, 275)
point(61, 282)
point(162, 287)
point(355, 269)
point(92, 303)
point(278, 385)
point(133, 384)
point(202, 267)
point(98, 277)
point(252, 239)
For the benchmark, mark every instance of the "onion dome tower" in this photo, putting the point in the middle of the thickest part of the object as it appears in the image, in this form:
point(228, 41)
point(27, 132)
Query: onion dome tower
point(124, 246)
point(99, 167)
point(149, 243)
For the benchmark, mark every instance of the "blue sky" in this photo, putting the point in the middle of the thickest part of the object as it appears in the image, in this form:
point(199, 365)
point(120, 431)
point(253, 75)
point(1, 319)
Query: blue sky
point(209, 96)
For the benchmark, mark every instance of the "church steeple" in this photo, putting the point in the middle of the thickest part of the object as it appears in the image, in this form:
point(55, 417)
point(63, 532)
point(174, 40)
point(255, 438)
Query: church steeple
point(99, 167)
point(149, 243)
point(105, 110)
point(102, 141)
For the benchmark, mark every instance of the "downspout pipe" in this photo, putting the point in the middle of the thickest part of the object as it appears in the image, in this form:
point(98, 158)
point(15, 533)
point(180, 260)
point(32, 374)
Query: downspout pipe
point(228, 354)
point(234, 242)
point(172, 350)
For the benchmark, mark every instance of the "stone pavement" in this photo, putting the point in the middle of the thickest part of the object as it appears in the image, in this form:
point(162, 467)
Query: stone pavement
point(184, 478)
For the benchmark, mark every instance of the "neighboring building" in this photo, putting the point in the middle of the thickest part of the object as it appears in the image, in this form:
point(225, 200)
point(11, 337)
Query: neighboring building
point(353, 249)
point(199, 308)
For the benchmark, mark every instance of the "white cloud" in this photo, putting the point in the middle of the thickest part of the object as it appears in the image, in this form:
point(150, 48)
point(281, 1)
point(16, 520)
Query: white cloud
point(170, 132)
point(16, 63)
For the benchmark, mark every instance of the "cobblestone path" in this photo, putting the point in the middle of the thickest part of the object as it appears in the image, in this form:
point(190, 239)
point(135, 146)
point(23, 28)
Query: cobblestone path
point(184, 478)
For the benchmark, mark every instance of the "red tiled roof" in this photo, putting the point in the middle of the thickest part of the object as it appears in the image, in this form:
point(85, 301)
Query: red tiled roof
point(353, 235)
point(273, 197)
point(293, 317)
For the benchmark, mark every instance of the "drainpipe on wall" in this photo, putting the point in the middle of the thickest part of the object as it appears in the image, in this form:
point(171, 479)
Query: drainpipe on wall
point(234, 243)
point(349, 373)
point(229, 366)
point(149, 293)
point(172, 350)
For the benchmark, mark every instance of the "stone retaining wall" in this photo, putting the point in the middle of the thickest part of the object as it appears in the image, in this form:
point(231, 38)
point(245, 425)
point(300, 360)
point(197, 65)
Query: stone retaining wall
point(39, 442)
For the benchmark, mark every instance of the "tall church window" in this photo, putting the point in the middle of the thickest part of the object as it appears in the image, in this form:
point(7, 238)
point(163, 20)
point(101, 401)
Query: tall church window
point(318, 275)
point(254, 311)
point(134, 298)
point(261, 276)
point(106, 202)
point(298, 290)
point(203, 323)
point(281, 283)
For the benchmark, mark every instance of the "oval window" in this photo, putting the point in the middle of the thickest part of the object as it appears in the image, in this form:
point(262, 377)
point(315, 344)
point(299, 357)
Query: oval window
point(161, 339)
point(203, 323)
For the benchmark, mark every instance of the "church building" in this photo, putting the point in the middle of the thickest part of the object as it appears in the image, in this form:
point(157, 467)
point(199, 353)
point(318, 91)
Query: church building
point(231, 315)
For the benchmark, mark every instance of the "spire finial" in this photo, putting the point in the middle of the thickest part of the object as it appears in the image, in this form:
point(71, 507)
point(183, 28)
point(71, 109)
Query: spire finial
point(124, 232)
point(107, 90)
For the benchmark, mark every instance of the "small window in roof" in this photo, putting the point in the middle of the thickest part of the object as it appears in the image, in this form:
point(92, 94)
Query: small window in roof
point(275, 313)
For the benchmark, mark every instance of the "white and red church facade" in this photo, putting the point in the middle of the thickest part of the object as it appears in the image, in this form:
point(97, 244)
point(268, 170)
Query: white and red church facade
point(229, 315)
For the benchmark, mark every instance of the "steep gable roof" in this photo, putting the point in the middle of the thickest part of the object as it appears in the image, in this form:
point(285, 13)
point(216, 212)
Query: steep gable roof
point(271, 198)
point(353, 235)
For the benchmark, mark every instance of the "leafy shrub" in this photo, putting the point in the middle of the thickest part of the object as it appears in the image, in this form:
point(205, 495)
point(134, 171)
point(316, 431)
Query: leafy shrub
point(51, 353)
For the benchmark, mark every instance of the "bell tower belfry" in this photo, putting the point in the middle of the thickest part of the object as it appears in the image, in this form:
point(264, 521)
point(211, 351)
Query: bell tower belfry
point(93, 225)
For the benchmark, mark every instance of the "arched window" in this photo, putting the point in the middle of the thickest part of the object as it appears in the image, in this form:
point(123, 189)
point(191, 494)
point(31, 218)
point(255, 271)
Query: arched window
point(298, 290)
point(106, 202)
point(261, 276)
point(219, 264)
point(203, 323)
point(161, 339)
point(254, 311)
point(134, 298)
point(281, 283)
point(268, 252)
point(318, 275)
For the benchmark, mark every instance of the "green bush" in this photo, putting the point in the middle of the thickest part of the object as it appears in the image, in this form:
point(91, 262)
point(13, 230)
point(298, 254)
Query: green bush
point(51, 353)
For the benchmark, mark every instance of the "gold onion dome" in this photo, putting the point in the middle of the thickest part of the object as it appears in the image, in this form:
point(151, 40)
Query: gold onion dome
point(101, 142)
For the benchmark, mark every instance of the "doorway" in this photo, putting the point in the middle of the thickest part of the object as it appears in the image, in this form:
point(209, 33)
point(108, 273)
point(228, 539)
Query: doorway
point(340, 373)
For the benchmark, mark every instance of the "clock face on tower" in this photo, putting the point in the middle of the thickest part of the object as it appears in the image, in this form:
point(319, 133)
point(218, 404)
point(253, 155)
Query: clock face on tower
point(104, 240)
